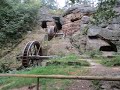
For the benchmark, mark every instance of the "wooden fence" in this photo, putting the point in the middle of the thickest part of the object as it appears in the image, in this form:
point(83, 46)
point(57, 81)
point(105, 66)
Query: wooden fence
point(104, 78)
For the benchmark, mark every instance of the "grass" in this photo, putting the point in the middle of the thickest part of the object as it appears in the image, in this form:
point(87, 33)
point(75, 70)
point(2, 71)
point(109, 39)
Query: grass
point(46, 84)
point(71, 60)
point(111, 62)
point(93, 53)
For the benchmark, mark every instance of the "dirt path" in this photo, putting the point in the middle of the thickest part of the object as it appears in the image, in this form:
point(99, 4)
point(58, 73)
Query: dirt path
point(97, 69)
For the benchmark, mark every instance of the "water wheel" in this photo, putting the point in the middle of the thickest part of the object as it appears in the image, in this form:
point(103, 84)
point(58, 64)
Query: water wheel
point(51, 32)
point(31, 49)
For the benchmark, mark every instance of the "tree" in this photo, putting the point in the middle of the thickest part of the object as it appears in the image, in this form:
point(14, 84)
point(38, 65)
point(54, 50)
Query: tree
point(84, 2)
point(52, 4)
point(105, 12)
point(15, 20)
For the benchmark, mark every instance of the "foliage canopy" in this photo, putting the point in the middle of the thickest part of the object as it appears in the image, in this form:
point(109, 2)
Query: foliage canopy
point(105, 12)
point(16, 18)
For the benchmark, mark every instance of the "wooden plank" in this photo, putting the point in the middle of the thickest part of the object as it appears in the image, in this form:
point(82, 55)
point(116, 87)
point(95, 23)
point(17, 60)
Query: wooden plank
point(105, 78)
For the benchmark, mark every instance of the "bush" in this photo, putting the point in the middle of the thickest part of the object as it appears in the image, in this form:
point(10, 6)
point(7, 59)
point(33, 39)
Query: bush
point(93, 53)
point(5, 67)
point(111, 62)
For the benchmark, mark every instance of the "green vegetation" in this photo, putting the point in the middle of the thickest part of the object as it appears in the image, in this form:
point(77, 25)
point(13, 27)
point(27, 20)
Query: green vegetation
point(105, 12)
point(70, 60)
point(93, 53)
point(46, 84)
point(52, 4)
point(16, 19)
point(85, 2)
point(85, 30)
point(96, 84)
point(111, 62)
point(4, 67)
point(57, 12)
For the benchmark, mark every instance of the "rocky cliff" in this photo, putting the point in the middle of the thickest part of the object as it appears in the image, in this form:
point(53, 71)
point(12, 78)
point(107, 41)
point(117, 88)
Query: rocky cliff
point(87, 37)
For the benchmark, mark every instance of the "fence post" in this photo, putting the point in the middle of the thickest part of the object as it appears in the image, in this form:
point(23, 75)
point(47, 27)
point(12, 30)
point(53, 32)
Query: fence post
point(37, 84)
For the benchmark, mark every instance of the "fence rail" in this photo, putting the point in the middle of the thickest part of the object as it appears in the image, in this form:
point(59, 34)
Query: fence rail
point(104, 78)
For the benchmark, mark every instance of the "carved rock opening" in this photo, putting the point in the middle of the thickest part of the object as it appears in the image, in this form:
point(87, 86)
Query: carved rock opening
point(44, 24)
point(109, 48)
point(58, 23)
point(93, 37)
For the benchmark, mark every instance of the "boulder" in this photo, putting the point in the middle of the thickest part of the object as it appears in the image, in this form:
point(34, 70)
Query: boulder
point(103, 37)
point(113, 27)
point(94, 31)
point(85, 19)
point(115, 20)
point(95, 44)
point(112, 35)
point(80, 8)
point(79, 41)
point(103, 25)
point(87, 10)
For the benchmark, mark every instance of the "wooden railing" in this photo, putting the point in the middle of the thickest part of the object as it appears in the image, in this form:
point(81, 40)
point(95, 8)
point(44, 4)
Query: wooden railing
point(104, 78)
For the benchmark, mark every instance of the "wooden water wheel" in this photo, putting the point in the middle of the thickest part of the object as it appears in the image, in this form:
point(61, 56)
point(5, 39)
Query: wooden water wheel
point(31, 49)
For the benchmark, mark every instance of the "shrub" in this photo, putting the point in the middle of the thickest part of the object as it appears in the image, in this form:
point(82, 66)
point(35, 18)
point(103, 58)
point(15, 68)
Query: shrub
point(93, 53)
point(5, 67)
point(111, 62)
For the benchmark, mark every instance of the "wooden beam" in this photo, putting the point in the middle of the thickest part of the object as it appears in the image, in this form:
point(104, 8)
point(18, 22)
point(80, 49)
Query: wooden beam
point(105, 78)
point(36, 57)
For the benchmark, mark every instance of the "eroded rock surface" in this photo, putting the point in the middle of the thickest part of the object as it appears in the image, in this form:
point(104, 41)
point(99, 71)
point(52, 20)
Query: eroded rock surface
point(86, 36)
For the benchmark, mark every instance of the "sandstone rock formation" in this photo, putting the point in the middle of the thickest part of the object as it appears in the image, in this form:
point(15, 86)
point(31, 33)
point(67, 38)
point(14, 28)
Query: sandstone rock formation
point(76, 20)
point(85, 36)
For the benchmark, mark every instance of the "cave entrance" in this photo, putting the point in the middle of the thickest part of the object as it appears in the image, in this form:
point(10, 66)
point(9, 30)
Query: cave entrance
point(109, 48)
point(44, 24)
point(93, 37)
point(58, 23)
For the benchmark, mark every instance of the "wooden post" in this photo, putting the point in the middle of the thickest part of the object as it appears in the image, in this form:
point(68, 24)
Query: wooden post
point(37, 84)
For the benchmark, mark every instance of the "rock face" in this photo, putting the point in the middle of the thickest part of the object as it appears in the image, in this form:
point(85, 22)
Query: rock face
point(76, 20)
point(86, 37)
point(103, 38)
point(74, 16)
point(80, 8)
point(44, 14)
